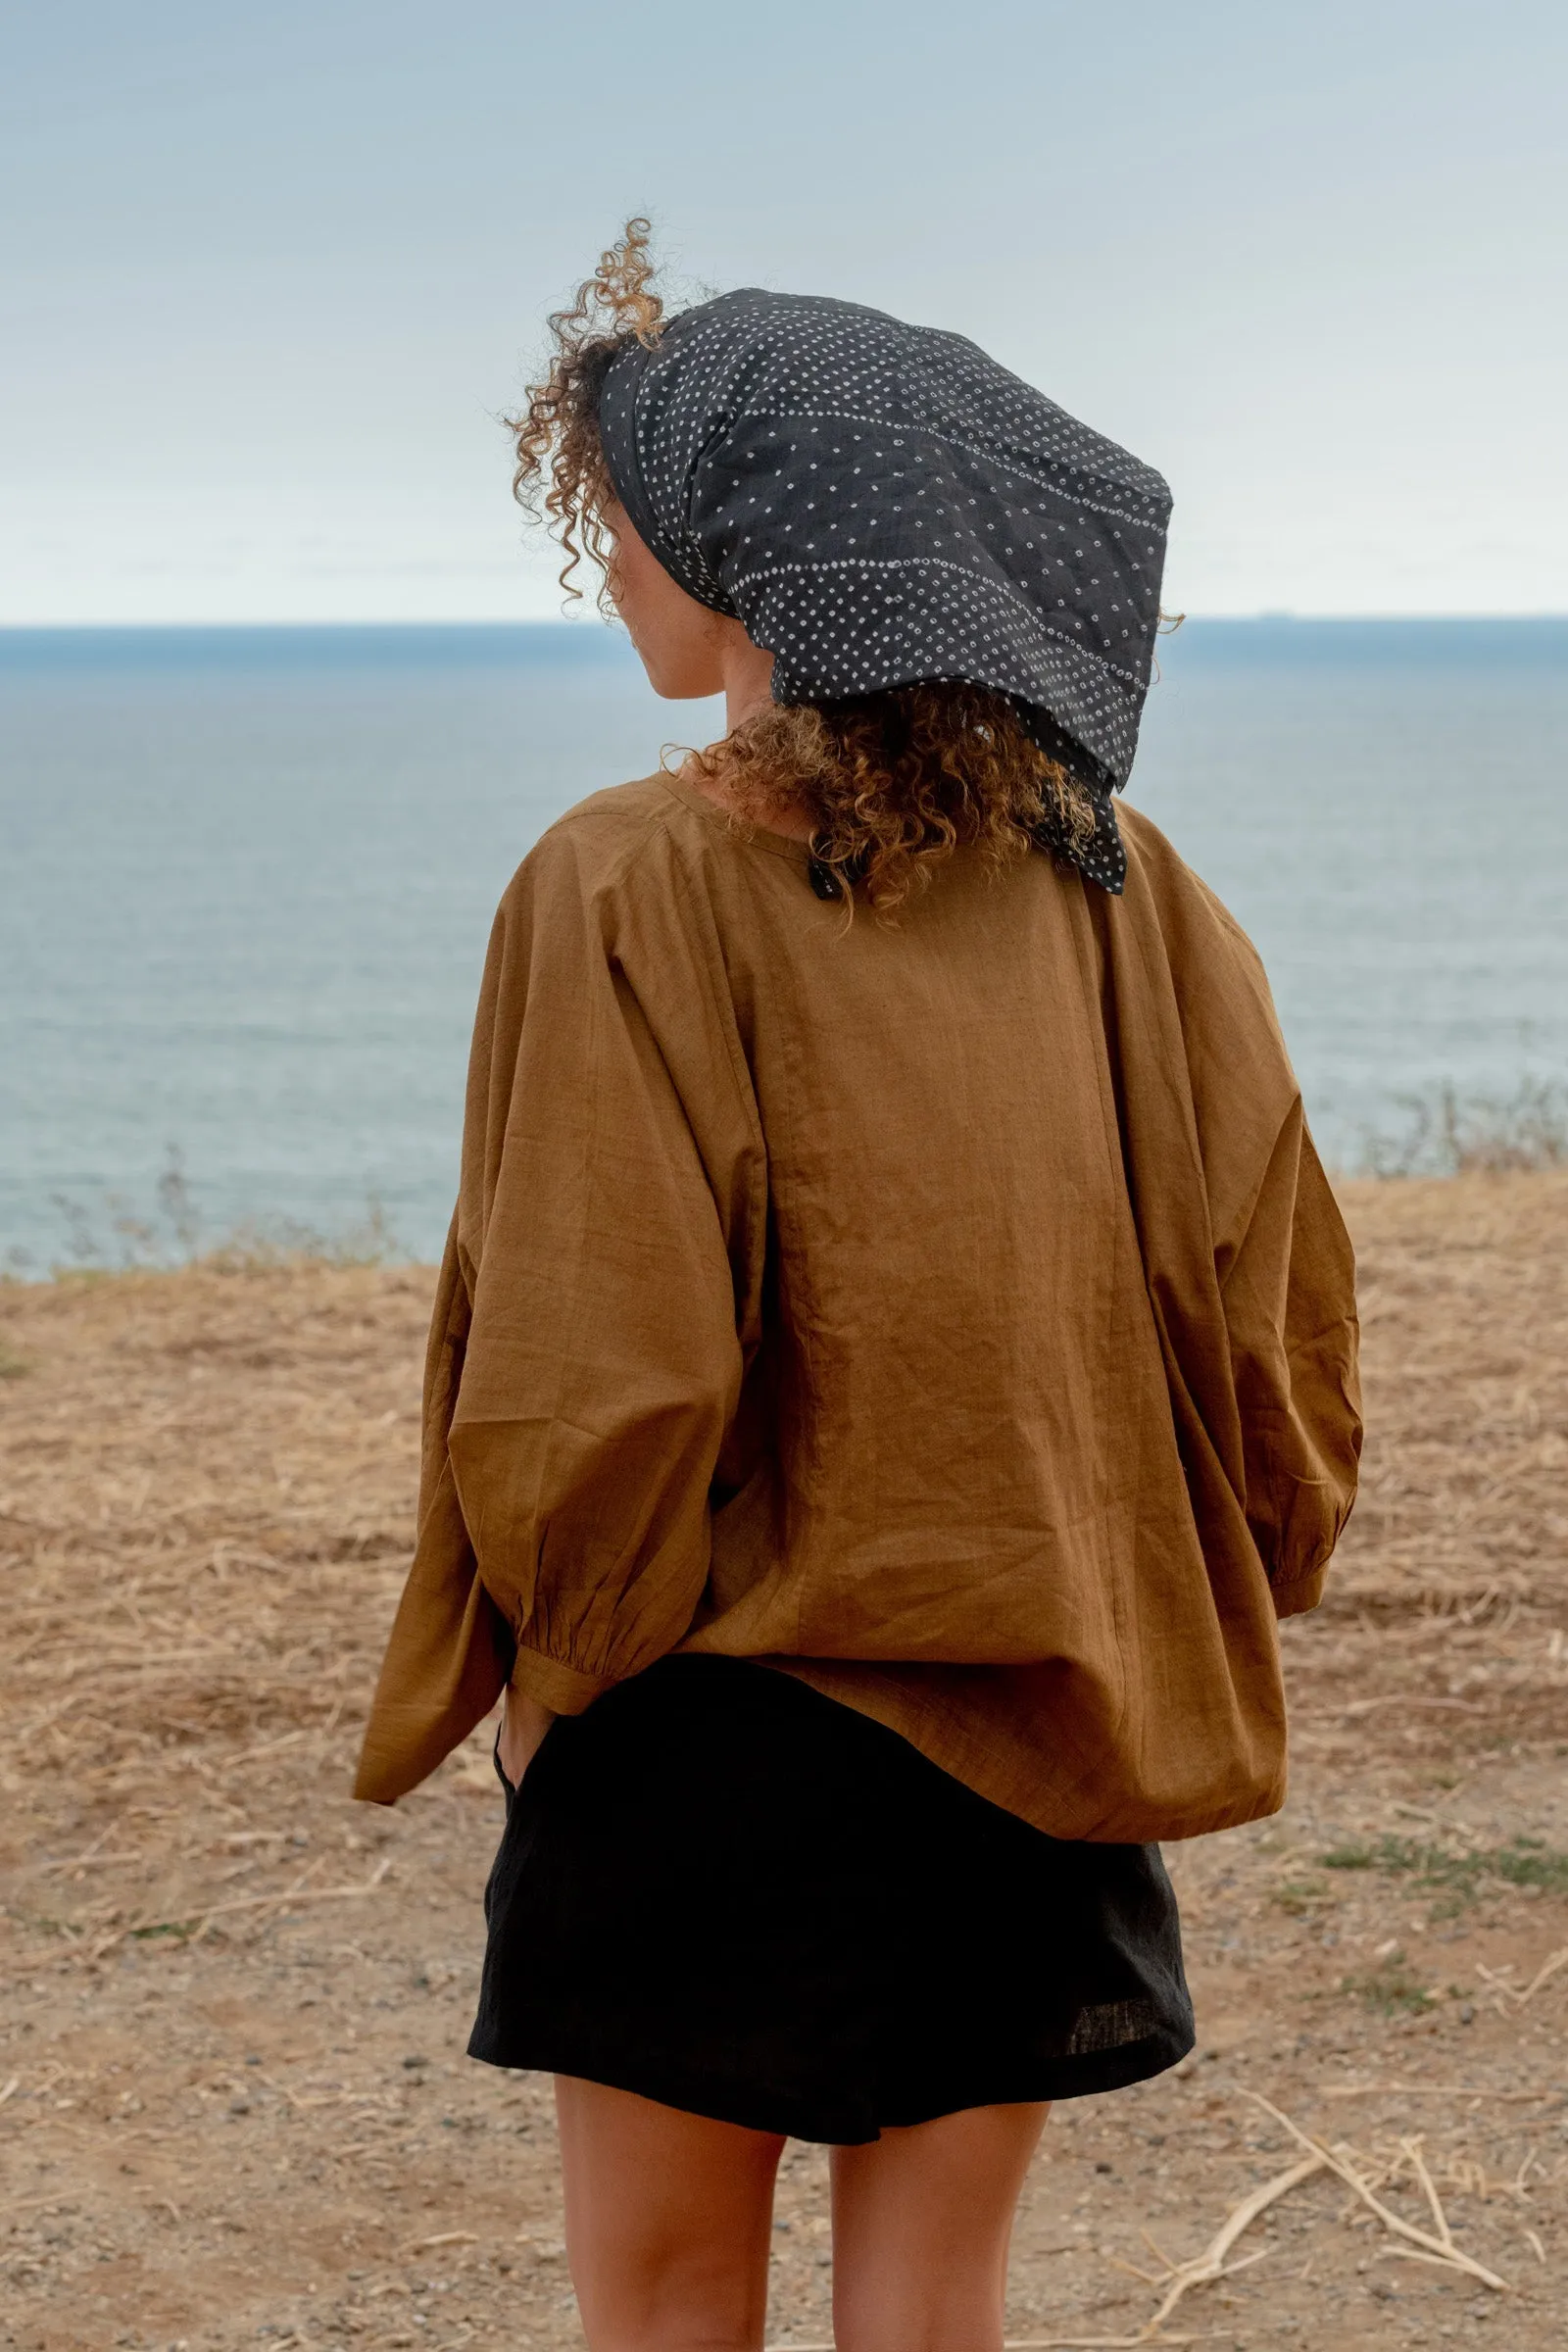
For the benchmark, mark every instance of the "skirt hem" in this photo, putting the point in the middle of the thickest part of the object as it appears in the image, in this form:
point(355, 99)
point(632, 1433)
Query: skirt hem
point(758, 2109)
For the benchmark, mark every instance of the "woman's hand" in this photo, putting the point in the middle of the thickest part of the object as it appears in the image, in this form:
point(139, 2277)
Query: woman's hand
point(522, 1730)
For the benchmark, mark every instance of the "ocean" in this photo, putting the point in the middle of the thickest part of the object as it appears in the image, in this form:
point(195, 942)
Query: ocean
point(246, 880)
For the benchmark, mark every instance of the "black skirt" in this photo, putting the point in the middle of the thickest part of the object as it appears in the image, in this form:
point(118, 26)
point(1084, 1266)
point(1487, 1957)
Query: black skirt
point(731, 1895)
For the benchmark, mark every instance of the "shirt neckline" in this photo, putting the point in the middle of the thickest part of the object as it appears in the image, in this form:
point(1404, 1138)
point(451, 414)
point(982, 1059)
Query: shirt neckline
point(755, 837)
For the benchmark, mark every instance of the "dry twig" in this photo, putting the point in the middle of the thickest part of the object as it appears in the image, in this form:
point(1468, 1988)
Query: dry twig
point(297, 1894)
point(1429, 2090)
point(1412, 2149)
point(1498, 1977)
point(1339, 2163)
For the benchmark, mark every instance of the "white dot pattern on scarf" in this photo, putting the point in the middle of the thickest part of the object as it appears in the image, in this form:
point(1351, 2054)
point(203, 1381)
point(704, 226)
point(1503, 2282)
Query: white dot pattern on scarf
point(882, 504)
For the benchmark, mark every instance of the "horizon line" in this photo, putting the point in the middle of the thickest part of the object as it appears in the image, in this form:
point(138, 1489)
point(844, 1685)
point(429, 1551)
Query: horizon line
point(567, 621)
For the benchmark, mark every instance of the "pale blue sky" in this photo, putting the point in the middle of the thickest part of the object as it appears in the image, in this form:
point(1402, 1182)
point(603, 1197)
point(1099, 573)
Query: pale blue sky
point(271, 273)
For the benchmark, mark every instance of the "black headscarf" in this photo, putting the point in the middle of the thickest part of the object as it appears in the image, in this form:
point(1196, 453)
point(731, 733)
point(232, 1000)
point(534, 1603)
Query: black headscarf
point(880, 504)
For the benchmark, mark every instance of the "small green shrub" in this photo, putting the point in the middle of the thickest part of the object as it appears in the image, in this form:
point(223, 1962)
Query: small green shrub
point(1391, 1989)
point(1301, 1898)
point(1449, 1134)
point(110, 1238)
point(1457, 1878)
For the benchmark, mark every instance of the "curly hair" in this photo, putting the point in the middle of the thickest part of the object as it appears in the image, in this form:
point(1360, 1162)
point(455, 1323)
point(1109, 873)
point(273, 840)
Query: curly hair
point(893, 782)
point(561, 478)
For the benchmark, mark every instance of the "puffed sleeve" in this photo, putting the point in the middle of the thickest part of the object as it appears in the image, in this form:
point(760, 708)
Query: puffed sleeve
point(1289, 1295)
point(1249, 1269)
point(604, 1364)
point(594, 1316)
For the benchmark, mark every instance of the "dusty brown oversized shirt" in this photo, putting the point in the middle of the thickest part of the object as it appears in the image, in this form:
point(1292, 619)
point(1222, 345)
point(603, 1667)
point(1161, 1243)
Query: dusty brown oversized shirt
point(953, 1314)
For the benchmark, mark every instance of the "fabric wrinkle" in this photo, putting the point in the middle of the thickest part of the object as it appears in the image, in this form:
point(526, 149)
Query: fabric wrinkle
point(1015, 1446)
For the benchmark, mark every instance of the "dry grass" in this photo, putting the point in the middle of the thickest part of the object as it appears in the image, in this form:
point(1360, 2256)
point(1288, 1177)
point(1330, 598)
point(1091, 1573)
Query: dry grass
point(206, 1477)
point(1457, 1552)
point(205, 1493)
point(1464, 1308)
point(1449, 1134)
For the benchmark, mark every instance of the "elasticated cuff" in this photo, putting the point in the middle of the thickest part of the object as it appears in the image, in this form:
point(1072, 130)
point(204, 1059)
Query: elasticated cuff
point(563, 1690)
point(1302, 1593)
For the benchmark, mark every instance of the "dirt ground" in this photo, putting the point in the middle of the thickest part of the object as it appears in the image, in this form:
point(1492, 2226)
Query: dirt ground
point(235, 2106)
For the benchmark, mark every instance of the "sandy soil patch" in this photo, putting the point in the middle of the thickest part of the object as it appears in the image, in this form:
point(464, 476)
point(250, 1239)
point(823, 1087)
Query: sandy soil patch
point(235, 2107)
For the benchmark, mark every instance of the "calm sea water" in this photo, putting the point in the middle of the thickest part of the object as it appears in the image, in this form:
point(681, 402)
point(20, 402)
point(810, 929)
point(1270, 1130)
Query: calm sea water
point(246, 879)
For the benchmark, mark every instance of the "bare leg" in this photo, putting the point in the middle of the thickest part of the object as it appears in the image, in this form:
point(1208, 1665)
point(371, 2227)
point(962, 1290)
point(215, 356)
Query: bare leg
point(669, 2223)
point(921, 2224)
